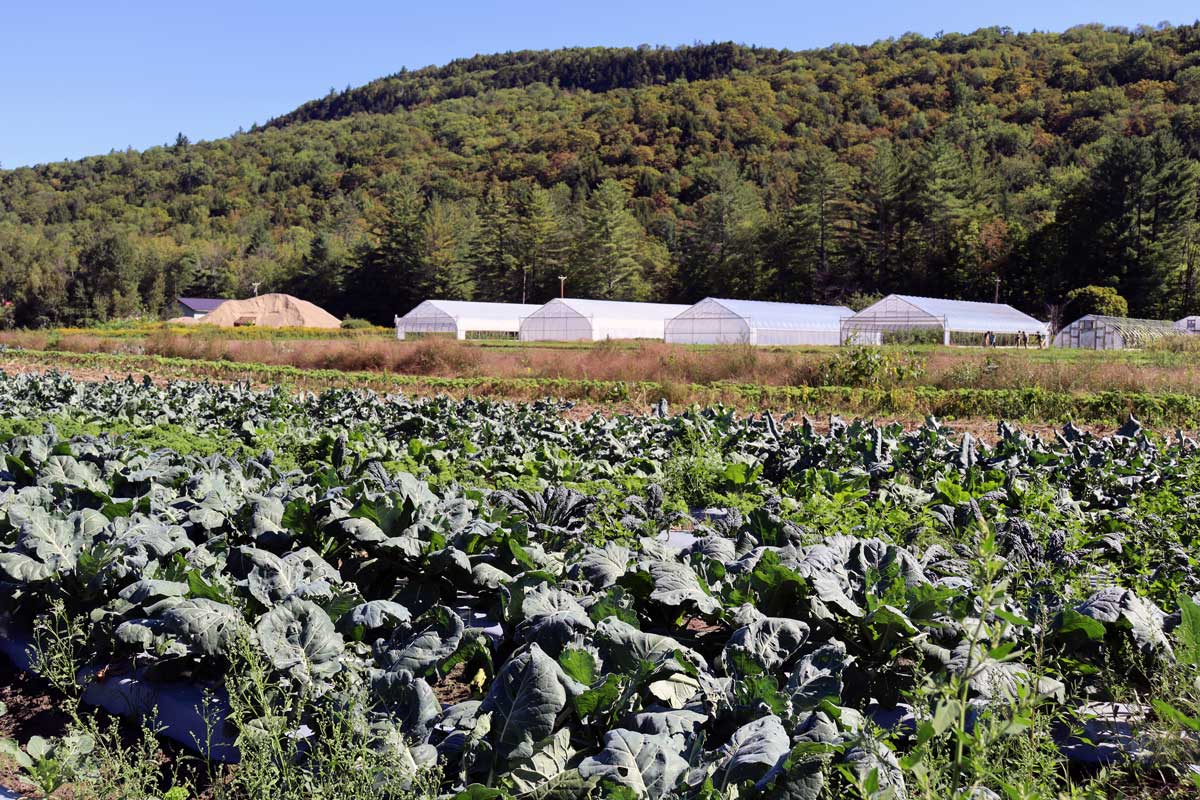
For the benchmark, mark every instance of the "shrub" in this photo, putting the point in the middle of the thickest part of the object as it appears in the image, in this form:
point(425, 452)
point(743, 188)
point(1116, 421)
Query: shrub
point(869, 367)
point(436, 355)
point(1102, 300)
point(1183, 343)
point(356, 324)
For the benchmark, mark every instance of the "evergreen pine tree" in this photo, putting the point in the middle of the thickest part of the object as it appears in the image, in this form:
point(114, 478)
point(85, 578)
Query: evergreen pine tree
point(447, 231)
point(496, 259)
point(385, 282)
point(542, 239)
point(611, 265)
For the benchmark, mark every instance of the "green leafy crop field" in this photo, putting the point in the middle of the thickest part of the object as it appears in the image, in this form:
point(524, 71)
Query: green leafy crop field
point(842, 390)
point(387, 596)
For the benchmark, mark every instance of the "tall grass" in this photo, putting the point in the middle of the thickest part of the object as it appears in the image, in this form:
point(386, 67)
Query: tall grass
point(1169, 369)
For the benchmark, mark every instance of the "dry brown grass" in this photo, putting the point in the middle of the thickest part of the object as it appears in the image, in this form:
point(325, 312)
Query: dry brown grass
point(646, 361)
point(28, 340)
point(672, 367)
point(438, 357)
point(951, 369)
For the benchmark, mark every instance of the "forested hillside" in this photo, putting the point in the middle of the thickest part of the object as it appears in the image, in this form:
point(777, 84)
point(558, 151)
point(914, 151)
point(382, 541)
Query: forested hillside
point(1050, 161)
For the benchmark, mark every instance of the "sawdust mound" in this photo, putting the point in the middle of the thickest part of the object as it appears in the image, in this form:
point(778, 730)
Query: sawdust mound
point(183, 321)
point(272, 311)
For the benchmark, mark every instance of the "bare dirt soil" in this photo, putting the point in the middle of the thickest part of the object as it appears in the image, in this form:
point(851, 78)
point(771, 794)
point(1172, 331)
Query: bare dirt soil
point(32, 710)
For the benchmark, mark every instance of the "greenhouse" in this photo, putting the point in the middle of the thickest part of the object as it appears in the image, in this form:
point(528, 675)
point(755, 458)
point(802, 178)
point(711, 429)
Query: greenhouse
point(463, 320)
point(905, 318)
point(572, 320)
point(717, 320)
point(1096, 332)
point(1188, 325)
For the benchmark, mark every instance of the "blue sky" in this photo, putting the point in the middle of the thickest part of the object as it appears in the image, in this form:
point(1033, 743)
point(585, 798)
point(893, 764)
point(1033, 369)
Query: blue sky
point(79, 78)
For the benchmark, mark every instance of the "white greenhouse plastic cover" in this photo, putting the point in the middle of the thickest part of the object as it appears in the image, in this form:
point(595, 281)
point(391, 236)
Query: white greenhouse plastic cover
point(901, 311)
point(717, 320)
point(573, 320)
point(462, 318)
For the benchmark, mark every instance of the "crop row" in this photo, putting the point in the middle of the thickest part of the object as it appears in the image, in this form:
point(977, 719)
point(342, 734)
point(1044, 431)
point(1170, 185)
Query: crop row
point(884, 600)
point(1034, 403)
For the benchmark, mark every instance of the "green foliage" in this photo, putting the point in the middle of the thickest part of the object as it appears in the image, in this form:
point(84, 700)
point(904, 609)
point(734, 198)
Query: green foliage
point(50, 763)
point(349, 609)
point(1102, 300)
point(930, 165)
point(909, 337)
point(870, 367)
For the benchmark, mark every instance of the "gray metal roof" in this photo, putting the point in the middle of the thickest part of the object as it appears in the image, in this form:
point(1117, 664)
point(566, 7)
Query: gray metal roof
point(201, 305)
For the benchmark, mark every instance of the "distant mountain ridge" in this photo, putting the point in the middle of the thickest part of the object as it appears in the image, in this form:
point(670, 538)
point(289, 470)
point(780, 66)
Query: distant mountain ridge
point(593, 69)
point(1044, 162)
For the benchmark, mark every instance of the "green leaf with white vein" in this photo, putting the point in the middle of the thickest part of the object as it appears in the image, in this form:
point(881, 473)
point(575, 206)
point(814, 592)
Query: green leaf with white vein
point(206, 625)
point(299, 639)
point(525, 702)
point(545, 772)
point(677, 585)
point(648, 765)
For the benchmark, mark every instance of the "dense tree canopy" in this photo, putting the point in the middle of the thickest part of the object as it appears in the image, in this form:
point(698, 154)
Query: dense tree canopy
point(1051, 161)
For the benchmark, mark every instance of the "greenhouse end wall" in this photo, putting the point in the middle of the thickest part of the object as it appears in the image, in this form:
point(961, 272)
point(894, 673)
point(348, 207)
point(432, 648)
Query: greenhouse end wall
point(574, 320)
point(557, 325)
point(708, 325)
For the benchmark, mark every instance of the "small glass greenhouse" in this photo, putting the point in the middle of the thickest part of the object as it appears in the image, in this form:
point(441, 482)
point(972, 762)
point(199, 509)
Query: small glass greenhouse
point(900, 317)
point(463, 320)
point(1096, 332)
point(572, 320)
point(716, 320)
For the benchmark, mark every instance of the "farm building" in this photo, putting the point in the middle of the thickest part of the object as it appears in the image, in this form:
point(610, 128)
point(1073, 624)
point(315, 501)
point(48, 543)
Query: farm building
point(463, 320)
point(196, 307)
point(1188, 325)
point(898, 317)
point(716, 320)
point(1096, 332)
point(572, 320)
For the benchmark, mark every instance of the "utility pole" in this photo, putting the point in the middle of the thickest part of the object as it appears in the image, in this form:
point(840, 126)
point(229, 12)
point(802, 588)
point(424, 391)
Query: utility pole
point(524, 282)
point(562, 285)
point(996, 297)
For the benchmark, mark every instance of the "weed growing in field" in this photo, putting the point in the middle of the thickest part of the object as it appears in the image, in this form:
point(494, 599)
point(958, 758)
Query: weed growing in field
point(296, 745)
point(962, 748)
point(58, 641)
point(95, 758)
point(868, 367)
point(293, 744)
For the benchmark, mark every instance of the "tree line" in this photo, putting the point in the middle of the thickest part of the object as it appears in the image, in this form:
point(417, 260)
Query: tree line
point(1028, 165)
